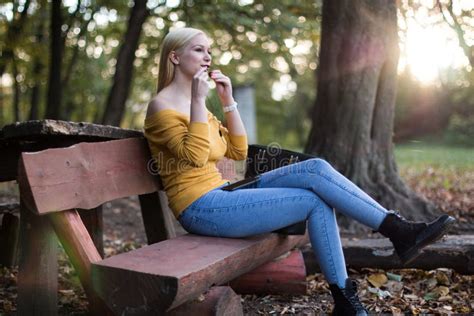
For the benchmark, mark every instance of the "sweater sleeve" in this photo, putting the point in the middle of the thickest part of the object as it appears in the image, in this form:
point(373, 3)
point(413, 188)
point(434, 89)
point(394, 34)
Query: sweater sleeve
point(236, 145)
point(186, 142)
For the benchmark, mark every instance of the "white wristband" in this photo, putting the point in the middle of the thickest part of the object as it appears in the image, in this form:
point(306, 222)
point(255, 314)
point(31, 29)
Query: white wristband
point(230, 108)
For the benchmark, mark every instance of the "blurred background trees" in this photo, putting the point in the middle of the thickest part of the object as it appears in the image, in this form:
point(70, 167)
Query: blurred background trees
point(62, 59)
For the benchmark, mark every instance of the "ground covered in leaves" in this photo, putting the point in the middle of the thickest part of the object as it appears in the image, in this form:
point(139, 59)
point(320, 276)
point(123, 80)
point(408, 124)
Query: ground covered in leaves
point(440, 291)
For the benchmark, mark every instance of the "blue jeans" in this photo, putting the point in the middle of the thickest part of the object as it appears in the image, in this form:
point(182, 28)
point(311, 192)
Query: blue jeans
point(308, 190)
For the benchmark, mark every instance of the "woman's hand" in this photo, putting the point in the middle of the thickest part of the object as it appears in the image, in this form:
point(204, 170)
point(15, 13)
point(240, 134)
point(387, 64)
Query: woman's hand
point(199, 91)
point(200, 85)
point(223, 87)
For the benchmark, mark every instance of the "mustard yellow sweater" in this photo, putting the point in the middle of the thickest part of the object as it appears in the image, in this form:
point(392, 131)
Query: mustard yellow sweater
point(187, 153)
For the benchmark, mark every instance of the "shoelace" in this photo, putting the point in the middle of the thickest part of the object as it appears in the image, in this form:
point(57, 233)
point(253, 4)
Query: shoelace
point(399, 215)
point(356, 303)
point(351, 295)
point(406, 219)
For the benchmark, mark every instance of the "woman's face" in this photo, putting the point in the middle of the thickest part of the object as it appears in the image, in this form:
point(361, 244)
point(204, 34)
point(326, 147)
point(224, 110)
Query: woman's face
point(194, 55)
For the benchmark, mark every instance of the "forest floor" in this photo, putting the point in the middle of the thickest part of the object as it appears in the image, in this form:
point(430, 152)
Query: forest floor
point(440, 291)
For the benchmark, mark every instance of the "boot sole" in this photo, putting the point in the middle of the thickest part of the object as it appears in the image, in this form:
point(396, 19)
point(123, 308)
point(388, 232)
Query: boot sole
point(443, 225)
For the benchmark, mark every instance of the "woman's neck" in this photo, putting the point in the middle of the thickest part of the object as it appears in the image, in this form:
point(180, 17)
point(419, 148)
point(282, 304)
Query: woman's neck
point(182, 86)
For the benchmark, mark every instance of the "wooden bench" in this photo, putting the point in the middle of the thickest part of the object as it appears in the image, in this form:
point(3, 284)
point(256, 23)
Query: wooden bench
point(9, 232)
point(150, 280)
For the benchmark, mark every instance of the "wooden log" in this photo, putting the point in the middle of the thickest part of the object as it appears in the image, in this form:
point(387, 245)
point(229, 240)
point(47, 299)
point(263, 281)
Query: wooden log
point(218, 301)
point(38, 265)
point(454, 251)
point(50, 128)
point(283, 275)
point(9, 232)
point(162, 276)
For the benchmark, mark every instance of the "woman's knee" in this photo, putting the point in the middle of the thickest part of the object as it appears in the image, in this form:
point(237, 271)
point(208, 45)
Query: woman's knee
point(315, 165)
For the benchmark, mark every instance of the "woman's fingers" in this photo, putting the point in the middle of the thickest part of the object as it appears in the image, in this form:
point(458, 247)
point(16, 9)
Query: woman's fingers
point(223, 85)
point(200, 85)
point(201, 71)
point(224, 81)
point(219, 77)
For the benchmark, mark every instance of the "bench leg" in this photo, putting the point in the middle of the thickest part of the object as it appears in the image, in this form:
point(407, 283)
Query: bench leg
point(93, 220)
point(38, 265)
point(157, 226)
point(9, 240)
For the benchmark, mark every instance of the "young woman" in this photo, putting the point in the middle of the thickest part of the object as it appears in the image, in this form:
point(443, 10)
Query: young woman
point(187, 141)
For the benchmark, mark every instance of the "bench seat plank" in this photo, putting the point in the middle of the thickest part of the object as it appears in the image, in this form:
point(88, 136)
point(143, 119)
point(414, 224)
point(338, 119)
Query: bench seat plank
point(161, 276)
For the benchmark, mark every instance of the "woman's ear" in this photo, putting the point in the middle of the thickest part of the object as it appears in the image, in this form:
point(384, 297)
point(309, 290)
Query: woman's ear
point(174, 58)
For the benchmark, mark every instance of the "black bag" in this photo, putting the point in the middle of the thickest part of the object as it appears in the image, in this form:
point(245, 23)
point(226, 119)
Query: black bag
point(261, 159)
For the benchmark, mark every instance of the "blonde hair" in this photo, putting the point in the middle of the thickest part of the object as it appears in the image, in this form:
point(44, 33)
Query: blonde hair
point(173, 41)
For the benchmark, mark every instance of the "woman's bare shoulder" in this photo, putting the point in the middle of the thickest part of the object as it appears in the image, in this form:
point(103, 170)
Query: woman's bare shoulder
point(158, 103)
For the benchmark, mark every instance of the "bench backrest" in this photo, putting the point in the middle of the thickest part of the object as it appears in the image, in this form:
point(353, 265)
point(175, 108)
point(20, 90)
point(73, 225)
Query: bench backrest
point(85, 175)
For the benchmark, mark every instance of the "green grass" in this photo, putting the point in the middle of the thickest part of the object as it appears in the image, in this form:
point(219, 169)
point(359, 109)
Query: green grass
point(417, 154)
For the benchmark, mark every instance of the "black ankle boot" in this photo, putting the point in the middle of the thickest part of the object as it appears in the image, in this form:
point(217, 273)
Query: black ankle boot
point(409, 238)
point(346, 301)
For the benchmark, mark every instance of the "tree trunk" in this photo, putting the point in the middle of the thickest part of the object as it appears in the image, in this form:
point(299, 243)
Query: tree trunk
point(354, 110)
point(70, 107)
point(53, 105)
point(16, 92)
point(118, 94)
point(14, 32)
point(2, 114)
point(37, 69)
point(35, 91)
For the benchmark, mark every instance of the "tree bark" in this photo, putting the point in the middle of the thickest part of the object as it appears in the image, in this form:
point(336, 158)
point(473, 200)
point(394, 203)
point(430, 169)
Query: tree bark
point(118, 94)
point(54, 87)
point(354, 110)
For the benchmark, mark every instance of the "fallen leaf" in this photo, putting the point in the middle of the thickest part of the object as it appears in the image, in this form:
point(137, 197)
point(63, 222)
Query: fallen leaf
point(394, 277)
point(445, 298)
point(442, 278)
point(430, 296)
point(310, 277)
point(378, 279)
point(393, 286)
point(410, 297)
point(431, 283)
point(441, 290)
